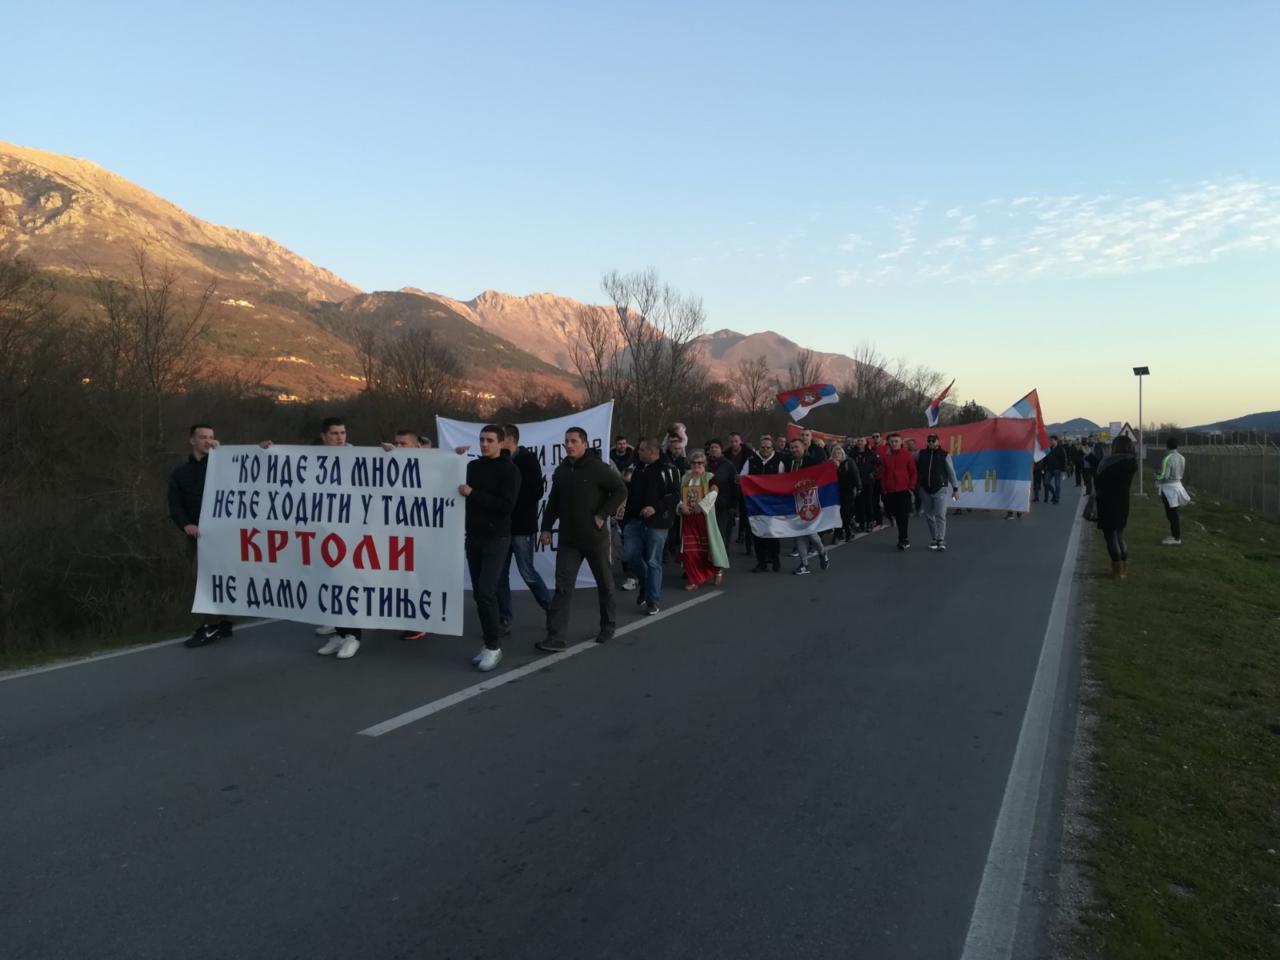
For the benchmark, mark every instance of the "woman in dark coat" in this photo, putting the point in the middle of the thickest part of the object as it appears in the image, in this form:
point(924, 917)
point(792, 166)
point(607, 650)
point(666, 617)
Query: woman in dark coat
point(850, 486)
point(1111, 490)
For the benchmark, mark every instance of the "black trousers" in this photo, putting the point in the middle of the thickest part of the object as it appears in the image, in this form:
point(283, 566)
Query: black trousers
point(899, 506)
point(1088, 482)
point(568, 561)
point(1175, 521)
point(1117, 549)
point(768, 551)
point(486, 562)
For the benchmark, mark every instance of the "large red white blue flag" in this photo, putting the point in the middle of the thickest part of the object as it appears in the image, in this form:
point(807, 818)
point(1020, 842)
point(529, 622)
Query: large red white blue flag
point(934, 409)
point(992, 458)
point(1028, 408)
point(801, 400)
point(792, 504)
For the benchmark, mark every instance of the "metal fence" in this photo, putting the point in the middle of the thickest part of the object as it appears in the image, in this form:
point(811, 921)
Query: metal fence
point(1247, 473)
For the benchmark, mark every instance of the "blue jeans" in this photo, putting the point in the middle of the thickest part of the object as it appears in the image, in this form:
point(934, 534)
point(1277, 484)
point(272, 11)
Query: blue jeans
point(522, 550)
point(1053, 485)
point(642, 556)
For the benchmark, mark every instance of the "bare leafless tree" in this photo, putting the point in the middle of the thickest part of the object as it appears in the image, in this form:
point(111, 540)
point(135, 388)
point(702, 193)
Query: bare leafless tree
point(595, 350)
point(806, 367)
point(752, 386)
point(419, 365)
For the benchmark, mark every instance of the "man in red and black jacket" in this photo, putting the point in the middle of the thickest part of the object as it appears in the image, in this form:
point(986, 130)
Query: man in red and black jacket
point(898, 479)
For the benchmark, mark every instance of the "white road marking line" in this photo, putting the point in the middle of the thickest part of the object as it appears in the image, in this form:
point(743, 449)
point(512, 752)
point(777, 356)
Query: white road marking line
point(81, 661)
point(994, 922)
point(444, 703)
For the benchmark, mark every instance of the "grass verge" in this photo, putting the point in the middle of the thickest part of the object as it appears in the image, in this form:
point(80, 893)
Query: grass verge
point(1186, 656)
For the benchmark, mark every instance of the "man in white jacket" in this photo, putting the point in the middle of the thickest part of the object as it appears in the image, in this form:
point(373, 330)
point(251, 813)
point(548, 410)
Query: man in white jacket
point(1172, 492)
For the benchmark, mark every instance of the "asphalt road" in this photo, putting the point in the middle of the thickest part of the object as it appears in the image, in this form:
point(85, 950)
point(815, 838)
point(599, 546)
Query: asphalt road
point(801, 767)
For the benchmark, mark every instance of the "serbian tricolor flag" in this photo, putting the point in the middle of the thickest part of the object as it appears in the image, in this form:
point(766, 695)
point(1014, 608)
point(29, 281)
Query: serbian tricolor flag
point(1028, 408)
point(803, 399)
point(792, 504)
point(933, 409)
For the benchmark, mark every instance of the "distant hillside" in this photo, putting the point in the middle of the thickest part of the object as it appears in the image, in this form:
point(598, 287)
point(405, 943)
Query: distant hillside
point(1267, 422)
point(1074, 428)
point(71, 215)
point(724, 349)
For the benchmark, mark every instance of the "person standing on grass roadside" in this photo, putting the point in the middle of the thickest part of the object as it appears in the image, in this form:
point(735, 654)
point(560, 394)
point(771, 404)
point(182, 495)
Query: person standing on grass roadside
point(898, 479)
point(1173, 494)
point(186, 491)
point(936, 473)
point(1111, 493)
point(585, 493)
point(491, 490)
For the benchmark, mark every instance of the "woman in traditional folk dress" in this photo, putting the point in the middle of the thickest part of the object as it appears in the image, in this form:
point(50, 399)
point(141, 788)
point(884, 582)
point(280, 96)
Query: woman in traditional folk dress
point(701, 547)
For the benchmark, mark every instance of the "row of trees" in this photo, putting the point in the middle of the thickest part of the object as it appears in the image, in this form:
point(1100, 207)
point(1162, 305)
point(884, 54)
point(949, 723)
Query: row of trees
point(100, 378)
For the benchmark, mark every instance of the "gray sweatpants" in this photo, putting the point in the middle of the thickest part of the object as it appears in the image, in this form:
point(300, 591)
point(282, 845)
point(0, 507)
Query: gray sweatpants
point(935, 514)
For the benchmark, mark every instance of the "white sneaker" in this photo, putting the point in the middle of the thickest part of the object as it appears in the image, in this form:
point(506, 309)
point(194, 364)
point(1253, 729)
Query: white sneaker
point(350, 645)
point(330, 648)
point(475, 661)
point(326, 631)
point(629, 584)
point(488, 660)
point(1171, 542)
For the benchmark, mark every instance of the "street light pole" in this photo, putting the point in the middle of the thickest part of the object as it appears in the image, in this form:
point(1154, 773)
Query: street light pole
point(1141, 372)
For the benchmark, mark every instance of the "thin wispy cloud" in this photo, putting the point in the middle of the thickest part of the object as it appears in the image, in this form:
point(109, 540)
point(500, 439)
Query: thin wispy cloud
point(1067, 235)
point(800, 281)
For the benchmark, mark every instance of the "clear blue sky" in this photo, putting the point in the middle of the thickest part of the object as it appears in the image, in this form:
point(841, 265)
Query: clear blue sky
point(1019, 194)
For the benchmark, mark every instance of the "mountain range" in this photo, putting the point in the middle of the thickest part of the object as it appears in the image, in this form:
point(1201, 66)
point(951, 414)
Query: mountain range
point(277, 310)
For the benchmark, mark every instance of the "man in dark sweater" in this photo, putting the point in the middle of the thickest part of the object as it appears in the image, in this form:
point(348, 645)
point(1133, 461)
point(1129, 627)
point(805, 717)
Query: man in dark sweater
point(492, 487)
point(186, 491)
point(646, 521)
point(725, 477)
point(524, 526)
point(1055, 464)
point(585, 492)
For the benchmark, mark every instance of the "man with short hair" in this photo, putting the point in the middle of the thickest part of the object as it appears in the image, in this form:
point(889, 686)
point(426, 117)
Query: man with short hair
point(1055, 464)
point(936, 472)
point(524, 527)
point(867, 506)
point(737, 453)
point(813, 449)
point(764, 461)
point(800, 459)
point(343, 641)
point(186, 492)
point(725, 478)
point(585, 492)
point(491, 489)
point(623, 454)
point(898, 479)
point(647, 515)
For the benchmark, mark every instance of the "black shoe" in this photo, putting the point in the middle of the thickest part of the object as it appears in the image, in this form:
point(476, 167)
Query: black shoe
point(604, 636)
point(551, 645)
point(640, 596)
point(777, 567)
point(224, 629)
point(652, 609)
point(203, 635)
point(901, 545)
point(759, 568)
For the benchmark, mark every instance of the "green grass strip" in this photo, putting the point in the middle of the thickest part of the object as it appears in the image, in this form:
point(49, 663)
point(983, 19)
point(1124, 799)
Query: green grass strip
point(1186, 655)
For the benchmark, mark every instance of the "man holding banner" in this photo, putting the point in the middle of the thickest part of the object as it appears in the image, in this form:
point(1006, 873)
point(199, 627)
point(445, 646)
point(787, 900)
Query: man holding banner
point(493, 483)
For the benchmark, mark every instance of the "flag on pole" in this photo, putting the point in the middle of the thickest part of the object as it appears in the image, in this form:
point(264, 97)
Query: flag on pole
point(1028, 408)
point(932, 411)
point(792, 504)
point(801, 400)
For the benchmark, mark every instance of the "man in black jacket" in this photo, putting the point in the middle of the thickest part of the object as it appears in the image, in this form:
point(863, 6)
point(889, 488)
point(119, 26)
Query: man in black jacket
point(585, 493)
point(186, 491)
point(646, 521)
point(1055, 464)
point(768, 549)
point(493, 484)
point(524, 526)
point(725, 478)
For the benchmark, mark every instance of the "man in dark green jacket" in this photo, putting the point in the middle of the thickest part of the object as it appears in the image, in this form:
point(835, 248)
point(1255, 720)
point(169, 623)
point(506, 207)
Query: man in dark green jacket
point(585, 492)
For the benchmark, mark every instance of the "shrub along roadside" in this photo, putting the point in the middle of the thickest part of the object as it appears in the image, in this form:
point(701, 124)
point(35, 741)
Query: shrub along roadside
point(1186, 655)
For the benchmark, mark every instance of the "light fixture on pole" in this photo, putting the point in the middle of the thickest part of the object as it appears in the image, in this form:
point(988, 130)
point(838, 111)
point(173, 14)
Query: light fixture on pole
point(1141, 372)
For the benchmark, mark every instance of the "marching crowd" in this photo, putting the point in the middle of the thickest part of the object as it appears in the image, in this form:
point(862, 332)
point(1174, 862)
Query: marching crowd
point(664, 503)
